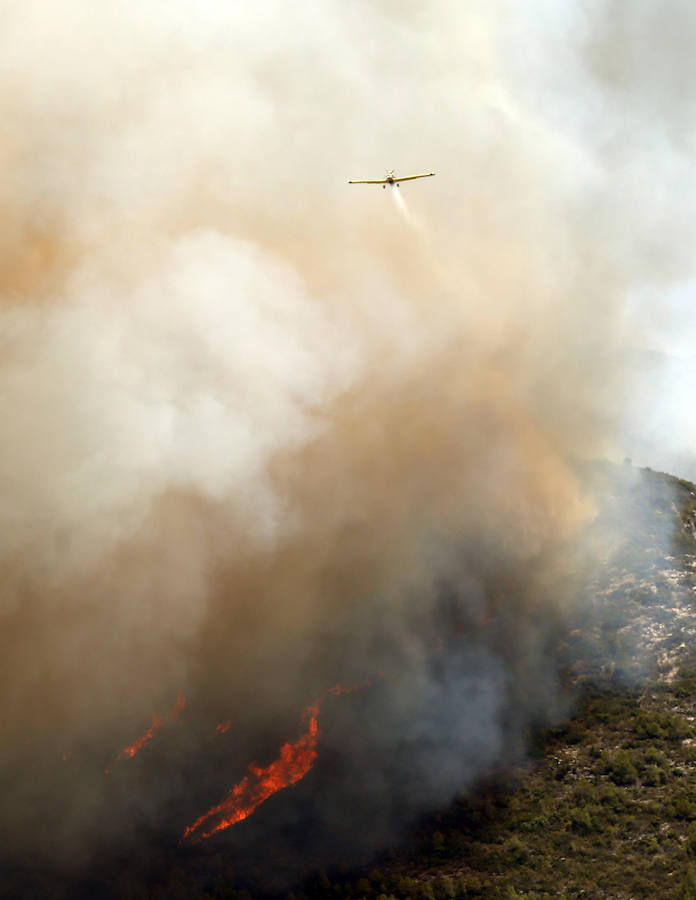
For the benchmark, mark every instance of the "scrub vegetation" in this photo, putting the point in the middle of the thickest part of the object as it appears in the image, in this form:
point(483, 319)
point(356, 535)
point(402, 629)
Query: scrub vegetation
point(606, 805)
point(607, 809)
point(603, 805)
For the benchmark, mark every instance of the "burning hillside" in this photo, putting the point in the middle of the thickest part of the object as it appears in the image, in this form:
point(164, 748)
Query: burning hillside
point(263, 436)
point(368, 756)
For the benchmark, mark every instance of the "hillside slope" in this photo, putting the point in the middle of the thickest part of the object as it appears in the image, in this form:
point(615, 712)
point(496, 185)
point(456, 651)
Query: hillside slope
point(606, 807)
point(601, 805)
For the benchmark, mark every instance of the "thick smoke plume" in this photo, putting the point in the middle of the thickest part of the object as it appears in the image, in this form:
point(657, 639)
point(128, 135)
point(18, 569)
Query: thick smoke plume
point(263, 432)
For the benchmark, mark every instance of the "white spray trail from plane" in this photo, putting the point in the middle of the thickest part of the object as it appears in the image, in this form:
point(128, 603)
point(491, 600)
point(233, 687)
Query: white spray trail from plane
point(406, 213)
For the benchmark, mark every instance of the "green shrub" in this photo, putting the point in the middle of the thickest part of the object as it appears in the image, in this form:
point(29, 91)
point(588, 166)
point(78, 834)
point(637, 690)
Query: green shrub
point(517, 850)
point(585, 791)
point(621, 769)
point(688, 887)
point(534, 825)
point(653, 756)
point(581, 821)
point(648, 725)
point(610, 796)
point(683, 804)
point(653, 776)
point(691, 840)
point(677, 729)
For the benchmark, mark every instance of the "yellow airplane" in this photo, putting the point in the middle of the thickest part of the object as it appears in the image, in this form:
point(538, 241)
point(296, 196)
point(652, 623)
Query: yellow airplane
point(393, 179)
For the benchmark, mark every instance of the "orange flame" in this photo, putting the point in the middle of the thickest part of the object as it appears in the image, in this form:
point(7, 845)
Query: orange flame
point(129, 752)
point(223, 727)
point(157, 722)
point(294, 762)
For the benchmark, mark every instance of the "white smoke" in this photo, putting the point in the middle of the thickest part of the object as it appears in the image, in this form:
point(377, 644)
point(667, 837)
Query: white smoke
point(242, 404)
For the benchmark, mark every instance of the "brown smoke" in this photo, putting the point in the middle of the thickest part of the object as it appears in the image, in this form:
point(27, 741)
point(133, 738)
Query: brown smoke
point(249, 410)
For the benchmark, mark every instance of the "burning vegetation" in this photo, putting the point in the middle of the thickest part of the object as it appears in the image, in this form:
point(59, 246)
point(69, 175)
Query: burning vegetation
point(612, 778)
point(263, 435)
point(137, 745)
point(157, 722)
point(293, 763)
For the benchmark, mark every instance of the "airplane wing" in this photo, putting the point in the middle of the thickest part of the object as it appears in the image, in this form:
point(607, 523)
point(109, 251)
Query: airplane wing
point(411, 177)
point(381, 181)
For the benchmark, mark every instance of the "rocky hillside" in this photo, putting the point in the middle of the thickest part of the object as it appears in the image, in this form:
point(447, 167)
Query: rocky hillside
point(602, 805)
point(606, 806)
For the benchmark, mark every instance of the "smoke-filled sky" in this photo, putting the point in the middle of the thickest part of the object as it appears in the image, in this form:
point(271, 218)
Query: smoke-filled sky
point(255, 418)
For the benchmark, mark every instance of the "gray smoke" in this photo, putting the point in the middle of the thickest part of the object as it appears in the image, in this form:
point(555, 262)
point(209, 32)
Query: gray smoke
point(261, 429)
